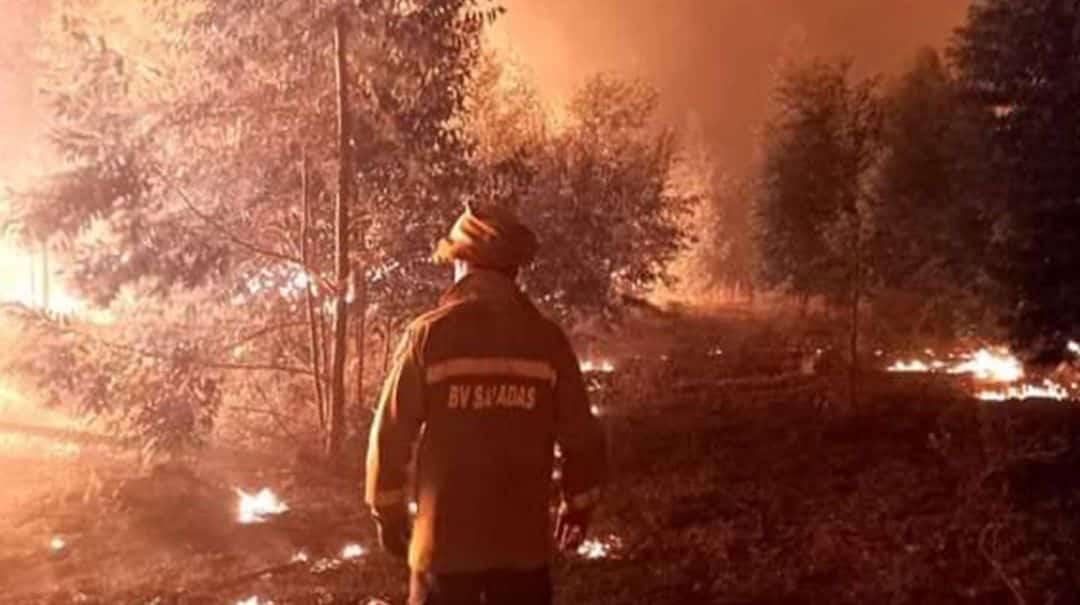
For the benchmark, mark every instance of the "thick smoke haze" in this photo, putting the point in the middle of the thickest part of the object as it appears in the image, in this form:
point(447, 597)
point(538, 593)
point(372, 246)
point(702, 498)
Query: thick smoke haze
point(19, 111)
point(712, 59)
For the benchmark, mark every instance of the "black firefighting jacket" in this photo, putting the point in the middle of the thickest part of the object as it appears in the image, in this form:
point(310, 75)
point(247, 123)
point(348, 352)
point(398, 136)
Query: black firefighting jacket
point(488, 386)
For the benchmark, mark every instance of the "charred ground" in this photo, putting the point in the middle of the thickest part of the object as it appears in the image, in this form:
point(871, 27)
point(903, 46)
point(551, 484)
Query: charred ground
point(742, 482)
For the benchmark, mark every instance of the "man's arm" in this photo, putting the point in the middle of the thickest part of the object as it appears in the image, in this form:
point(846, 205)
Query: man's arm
point(578, 433)
point(397, 423)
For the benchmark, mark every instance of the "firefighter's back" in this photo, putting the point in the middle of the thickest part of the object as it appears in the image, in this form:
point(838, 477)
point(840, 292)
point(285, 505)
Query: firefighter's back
point(485, 455)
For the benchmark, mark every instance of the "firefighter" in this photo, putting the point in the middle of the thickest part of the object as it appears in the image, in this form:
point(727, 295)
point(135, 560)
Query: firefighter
point(482, 389)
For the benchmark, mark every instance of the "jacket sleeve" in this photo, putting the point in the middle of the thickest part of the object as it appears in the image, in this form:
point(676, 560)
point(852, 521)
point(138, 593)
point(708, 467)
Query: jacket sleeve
point(398, 418)
point(578, 433)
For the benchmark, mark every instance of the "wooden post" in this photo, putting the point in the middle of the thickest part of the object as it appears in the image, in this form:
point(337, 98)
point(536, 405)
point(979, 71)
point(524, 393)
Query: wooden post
point(336, 437)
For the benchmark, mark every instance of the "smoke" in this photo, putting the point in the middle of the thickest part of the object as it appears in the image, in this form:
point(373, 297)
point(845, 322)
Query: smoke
point(21, 118)
point(712, 59)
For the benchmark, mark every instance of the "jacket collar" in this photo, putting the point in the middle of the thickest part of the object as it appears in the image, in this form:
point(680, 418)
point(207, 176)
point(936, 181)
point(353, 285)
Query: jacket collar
point(484, 285)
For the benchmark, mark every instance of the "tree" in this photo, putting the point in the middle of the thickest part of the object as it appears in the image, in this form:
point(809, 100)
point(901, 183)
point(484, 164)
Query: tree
point(719, 254)
point(816, 212)
point(1020, 61)
point(602, 202)
point(598, 189)
point(203, 155)
point(932, 237)
point(822, 145)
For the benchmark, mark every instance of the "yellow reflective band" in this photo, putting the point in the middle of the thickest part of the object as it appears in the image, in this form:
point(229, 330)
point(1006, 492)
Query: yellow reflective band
point(388, 498)
point(587, 499)
point(490, 366)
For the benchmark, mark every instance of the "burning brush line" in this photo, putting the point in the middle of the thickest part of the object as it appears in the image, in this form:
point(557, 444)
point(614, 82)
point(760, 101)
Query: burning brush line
point(995, 366)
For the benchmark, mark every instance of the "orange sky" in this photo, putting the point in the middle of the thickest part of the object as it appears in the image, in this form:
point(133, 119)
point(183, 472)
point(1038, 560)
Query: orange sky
point(712, 57)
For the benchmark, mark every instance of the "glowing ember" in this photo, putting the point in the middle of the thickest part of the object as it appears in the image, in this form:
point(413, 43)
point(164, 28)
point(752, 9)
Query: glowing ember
point(299, 557)
point(1047, 390)
point(57, 544)
point(600, 548)
point(991, 366)
point(257, 508)
point(909, 366)
point(353, 551)
point(596, 411)
point(253, 600)
point(604, 366)
point(1074, 347)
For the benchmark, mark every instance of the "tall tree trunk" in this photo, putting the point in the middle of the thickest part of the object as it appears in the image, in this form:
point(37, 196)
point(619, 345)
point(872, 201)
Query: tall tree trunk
point(336, 437)
point(33, 277)
point(45, 297)
point(856, 296)
point(387, 351)
point(360, 281)
point(314, 331)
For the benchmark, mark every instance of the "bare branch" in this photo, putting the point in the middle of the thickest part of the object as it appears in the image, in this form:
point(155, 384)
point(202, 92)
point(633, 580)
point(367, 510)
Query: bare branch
point(263, 332)
point(229, 235)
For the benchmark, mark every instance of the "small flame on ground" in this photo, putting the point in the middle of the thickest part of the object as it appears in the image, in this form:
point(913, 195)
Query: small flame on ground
point(257, 508)
point(909, 366)
point(300, 557)
point(57, 544)
point(353, 551)
point(991, 366)
point(253, 600)
point(596, 411)
point(604, 366)
point(1074, 347)
point(1047, 390)
point(600, 548)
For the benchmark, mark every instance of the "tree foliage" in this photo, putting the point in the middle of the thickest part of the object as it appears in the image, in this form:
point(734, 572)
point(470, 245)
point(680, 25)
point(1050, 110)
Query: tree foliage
point(198, 155)
point(815, 212)
point(1020, 61)
point(598, 189)
point(932, 238)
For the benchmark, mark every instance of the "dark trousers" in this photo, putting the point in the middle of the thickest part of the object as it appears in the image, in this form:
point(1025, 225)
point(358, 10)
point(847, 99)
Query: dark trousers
point(495, 587)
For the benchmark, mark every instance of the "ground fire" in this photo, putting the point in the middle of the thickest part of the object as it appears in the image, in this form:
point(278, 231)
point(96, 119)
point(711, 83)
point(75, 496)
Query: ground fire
point(520, 302)
point(260, 507)
point(990, 366)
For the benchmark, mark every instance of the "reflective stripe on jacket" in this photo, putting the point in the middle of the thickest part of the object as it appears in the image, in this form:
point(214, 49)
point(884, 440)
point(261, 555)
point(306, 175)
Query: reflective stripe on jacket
point(488, 386)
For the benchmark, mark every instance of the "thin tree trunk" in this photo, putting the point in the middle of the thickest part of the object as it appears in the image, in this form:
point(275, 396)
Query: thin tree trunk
point(33, 278)
point(387, 352)
point(45, 297)
point(314, 332)
point(336, 438)
point(360, 282)
point(856, 295)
